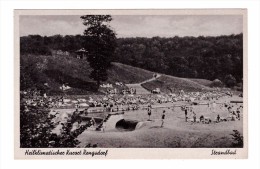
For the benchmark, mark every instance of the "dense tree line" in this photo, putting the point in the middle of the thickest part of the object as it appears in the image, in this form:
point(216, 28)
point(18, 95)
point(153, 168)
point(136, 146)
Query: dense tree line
point(202, 57)
point(42, 45)
point(210, 58)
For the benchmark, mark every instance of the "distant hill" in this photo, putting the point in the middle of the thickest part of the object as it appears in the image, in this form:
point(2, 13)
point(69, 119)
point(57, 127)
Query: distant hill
point(51, 72)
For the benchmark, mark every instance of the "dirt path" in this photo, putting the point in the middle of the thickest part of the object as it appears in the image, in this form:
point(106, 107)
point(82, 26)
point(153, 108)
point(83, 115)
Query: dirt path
point(138, 86)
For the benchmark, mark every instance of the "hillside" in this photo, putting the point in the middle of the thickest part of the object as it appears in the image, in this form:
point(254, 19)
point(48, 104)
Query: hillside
point(50, 72)
point(204, 82)
point(174, 84)
point(209, 57)
point(37, 70)
point(128, 74)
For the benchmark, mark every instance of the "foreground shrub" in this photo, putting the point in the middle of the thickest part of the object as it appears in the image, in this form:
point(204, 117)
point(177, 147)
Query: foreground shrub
point(36, 124)
point(237, 139)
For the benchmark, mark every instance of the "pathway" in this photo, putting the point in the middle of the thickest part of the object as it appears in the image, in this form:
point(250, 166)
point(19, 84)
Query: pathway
point(138, 86)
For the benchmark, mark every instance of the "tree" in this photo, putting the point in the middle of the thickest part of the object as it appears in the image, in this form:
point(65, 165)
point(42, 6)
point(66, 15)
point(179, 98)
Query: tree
point(37, 124)
point(34, 44)
point(100, 43)
point(230, 80)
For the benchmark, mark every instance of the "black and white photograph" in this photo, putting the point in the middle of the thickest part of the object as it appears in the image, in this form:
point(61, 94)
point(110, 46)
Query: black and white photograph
point(160, 80)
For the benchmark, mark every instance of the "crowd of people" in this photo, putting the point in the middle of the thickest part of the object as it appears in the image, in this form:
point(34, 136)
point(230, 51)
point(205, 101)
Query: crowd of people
point(232, 113)
point(117, 100)
point(229, 113)
point(119, 103)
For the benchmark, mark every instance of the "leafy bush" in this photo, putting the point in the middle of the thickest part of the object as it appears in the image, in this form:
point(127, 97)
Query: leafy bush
point(216, 83)
point(36, 124)
point(230, 80)
point(237, 139)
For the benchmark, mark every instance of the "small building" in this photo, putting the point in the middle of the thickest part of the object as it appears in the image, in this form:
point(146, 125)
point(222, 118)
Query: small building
point(81, 53)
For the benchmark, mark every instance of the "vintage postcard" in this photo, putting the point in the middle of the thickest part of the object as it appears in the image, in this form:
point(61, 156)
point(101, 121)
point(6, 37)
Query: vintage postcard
point(131, 84)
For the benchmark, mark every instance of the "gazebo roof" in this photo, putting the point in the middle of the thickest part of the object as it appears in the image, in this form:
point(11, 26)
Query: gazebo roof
point(81, 50)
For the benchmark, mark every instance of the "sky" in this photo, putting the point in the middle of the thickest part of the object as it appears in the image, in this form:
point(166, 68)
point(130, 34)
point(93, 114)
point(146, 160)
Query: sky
point(137, 25)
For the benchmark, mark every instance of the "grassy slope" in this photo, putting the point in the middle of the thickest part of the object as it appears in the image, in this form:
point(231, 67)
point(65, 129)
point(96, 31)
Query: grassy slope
point(174, 84)
point(204, 82)
point(56, 70)
point(128, 74)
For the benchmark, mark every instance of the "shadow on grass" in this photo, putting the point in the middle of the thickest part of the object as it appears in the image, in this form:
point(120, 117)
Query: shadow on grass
point(73, 82)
